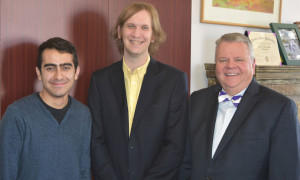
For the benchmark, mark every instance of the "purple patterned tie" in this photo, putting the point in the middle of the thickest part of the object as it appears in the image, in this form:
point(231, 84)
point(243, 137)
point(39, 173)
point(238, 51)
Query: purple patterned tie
point(223, 97)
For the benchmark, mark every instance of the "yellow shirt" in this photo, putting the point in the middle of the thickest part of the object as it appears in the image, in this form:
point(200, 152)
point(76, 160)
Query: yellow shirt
point(133, 83)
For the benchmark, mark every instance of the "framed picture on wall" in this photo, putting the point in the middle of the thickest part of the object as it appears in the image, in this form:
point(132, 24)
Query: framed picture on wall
point(288, 38)
point(251, 13)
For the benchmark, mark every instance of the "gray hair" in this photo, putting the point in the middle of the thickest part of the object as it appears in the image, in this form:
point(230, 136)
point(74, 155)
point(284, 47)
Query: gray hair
point(236, 37)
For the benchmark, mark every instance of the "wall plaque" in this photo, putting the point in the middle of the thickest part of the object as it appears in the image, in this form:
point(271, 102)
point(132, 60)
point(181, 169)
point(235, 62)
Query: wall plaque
point(265, 48)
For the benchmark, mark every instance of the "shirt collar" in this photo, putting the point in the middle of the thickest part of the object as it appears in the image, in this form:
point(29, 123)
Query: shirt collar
point(141, 71)
point(238, 94)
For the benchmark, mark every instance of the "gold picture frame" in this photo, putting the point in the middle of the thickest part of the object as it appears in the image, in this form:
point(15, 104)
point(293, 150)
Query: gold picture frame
point(210, 13)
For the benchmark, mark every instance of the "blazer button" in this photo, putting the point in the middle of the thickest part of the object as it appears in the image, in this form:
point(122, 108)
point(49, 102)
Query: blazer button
point(131, 171)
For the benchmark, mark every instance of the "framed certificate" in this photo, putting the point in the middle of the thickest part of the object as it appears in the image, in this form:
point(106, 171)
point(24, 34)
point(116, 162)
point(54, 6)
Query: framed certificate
point(288, 37)
point(265, 48)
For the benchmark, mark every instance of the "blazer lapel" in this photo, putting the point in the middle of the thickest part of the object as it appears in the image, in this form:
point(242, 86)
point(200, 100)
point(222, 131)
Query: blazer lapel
point(146, 92)
point(117, 80)
point(211, 115)
point(247, 103)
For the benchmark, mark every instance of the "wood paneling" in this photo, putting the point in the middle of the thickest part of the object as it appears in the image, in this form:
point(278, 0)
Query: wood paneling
point(17, 72)
point(87, 24)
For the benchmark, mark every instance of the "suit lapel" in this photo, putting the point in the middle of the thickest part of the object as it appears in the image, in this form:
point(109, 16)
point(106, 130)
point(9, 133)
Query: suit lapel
point(117, 80)
point(146, 92)
point(247, 103)
point(211, 115)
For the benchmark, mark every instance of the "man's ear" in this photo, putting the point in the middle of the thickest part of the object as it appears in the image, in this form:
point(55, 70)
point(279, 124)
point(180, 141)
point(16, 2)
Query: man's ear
point(119, 32)
point(152, 39)
point(38, 73)
point(253, 66)
point(77, 72)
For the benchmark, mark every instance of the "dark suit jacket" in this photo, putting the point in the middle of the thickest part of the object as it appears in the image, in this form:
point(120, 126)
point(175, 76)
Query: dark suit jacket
point(156, 144)
point(260, 143)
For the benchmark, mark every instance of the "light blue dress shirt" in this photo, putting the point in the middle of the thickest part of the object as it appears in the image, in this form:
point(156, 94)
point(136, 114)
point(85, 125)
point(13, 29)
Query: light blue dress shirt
point(225, 113)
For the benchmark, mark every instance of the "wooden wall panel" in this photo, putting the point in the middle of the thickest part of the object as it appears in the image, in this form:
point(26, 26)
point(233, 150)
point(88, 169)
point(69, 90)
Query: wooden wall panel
point(26, 24)
point(91, 38)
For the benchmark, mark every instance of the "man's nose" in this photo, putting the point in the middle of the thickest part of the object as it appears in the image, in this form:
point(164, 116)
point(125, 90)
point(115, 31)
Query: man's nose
point(136, 32)
point(231, 63)
point(58, 73)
